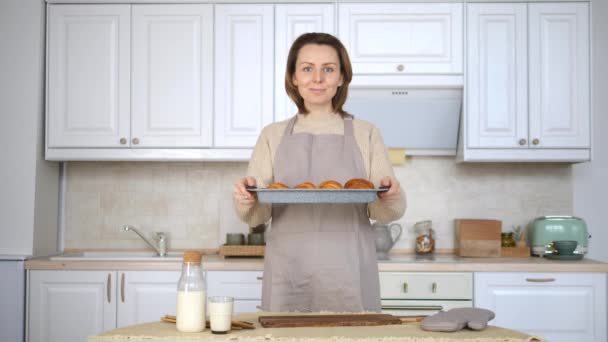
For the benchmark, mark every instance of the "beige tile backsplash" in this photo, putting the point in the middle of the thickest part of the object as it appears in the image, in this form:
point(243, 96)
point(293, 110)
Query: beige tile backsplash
point(192, 201)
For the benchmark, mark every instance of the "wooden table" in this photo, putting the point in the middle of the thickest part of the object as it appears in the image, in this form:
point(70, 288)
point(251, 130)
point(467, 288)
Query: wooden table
point(409, 332)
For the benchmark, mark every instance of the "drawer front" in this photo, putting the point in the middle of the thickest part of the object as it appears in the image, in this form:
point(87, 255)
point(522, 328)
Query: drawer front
point(237, 284)
point(247, 306)
point(400, 307)
point(400, 285)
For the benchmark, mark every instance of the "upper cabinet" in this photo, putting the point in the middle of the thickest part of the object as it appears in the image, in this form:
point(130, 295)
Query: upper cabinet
point(403, 38)
point(89, 66)
point(244, 43)
point(123, 76)
point(292, 20)
point(172, 51)
point(527, 83)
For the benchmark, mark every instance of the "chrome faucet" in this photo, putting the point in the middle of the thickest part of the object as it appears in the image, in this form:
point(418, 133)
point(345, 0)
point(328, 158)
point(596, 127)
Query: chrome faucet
point(161, 240)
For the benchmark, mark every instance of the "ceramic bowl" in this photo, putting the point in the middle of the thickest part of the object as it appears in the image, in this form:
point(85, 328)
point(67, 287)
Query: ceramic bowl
point(565, 247)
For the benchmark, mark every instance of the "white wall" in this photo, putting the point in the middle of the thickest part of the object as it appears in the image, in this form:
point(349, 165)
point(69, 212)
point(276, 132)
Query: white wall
point(28, 196)
point(590, 180)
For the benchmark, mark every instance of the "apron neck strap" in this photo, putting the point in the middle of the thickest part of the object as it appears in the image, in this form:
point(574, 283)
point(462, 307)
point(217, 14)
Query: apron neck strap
point(348, 126)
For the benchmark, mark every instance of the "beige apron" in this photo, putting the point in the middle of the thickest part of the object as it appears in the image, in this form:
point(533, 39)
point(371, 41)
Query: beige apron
point(320, 257)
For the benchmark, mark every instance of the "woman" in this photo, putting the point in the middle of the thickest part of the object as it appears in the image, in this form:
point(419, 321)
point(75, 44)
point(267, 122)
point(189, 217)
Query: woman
point(319, 257)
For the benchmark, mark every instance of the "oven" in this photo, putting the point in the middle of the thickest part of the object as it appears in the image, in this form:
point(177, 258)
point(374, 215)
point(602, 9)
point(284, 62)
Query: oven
point(424, 293)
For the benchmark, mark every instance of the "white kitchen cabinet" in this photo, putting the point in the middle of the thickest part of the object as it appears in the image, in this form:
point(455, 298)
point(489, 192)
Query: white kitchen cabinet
point(403, 38)
point(66, 306)
point(292, 20)
point(527, 83)
point(172, 84)
point(559, 75)
point(145, 296)
point(244, 286)
point(244, 46)
point(555, 306)
point(497, 85)
point(88, 82)
point(425, 293)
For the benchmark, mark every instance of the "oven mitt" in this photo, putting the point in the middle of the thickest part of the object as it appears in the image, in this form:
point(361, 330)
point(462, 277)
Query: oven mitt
point(456, 319)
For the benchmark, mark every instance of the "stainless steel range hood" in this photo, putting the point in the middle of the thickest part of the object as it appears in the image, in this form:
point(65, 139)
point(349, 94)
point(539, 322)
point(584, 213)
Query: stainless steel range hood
point(424, 121)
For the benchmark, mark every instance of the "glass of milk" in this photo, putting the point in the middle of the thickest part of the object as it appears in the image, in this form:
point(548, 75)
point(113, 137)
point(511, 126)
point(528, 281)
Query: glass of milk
point(220, 313)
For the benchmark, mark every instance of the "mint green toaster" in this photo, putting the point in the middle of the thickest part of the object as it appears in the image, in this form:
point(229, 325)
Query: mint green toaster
point(554, 228)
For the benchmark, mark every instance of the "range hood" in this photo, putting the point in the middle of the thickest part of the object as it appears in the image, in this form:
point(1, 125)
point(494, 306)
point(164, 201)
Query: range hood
point(424, 121)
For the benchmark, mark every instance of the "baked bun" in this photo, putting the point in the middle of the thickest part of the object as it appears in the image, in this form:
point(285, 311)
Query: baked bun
point(330, 184)
point(358, 183)
point(306, 185)
point(278, 186)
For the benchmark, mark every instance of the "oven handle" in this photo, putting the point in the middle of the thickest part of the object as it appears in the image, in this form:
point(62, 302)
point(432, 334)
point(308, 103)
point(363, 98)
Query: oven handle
point(412, 307)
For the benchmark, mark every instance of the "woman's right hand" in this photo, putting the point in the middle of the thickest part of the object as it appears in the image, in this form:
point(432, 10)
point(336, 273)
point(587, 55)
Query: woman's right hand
point(240, 193)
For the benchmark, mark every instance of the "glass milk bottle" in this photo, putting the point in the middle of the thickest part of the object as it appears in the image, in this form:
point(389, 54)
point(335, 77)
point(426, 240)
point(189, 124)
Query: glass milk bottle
point(191, 295)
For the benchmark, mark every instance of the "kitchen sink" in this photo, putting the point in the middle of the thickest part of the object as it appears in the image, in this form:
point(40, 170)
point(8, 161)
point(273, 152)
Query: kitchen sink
point(120, 255)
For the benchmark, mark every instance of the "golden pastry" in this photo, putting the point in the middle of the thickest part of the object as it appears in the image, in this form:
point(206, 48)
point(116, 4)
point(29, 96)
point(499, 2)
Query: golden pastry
point(278, 186)
point(306, 185)
point(330, 184)
point(358, 183)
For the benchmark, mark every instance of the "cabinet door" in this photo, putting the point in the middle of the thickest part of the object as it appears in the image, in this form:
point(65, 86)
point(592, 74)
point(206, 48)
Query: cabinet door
point(402, 38)
point(172, 76)
point(243, 285)
point(88, 75)
point(292, 20)
point(69, 306)
point(496, 83)
point(558, 307)
point(145, 296)
point(559, 75)
point(244, 73)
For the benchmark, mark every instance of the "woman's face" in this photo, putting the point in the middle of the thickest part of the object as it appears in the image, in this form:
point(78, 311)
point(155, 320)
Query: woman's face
point(317, 76)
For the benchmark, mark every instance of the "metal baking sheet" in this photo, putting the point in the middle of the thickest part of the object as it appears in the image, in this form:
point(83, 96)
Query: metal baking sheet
point(317, 195)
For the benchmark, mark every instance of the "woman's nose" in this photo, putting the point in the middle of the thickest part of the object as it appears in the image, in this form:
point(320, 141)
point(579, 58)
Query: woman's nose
point(317, 76)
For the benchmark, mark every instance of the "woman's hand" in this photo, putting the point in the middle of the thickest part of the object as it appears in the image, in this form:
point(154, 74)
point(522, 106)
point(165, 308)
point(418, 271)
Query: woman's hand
point(394, 190)
point(240, 193)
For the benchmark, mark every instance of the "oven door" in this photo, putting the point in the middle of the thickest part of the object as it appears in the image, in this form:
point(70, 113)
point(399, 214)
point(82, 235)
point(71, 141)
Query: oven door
point(401, 307)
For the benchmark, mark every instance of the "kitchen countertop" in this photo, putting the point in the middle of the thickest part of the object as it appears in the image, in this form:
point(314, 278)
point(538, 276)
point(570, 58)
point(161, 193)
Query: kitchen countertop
point(410, 332)
point(397, 263)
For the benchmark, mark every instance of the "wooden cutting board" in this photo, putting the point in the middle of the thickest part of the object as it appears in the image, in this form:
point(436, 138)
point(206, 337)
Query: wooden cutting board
point(332, 320)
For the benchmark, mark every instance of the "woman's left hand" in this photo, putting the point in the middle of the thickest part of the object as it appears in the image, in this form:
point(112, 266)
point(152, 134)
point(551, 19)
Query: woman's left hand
point(394, 190)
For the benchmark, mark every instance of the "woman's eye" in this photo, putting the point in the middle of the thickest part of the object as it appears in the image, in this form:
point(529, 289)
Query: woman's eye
point(307, 69)
point(328, 69)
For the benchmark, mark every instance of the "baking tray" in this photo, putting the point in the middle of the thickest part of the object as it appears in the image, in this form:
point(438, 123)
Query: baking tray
point(317, 195)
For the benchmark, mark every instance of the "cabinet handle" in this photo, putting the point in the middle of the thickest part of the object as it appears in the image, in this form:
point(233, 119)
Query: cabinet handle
point(108, 288)
point(400, 67)
point(434, 288)
point(122, 287)
point(123, 141)
point(412, 307)
point(259, 278)
point(404, 287)
point(259, 307)
point(135, 141)
point(535, 141)
point(522, 142)
point(540, 280)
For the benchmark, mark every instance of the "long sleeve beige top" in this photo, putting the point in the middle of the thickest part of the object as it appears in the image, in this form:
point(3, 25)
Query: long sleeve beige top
point(369, 140)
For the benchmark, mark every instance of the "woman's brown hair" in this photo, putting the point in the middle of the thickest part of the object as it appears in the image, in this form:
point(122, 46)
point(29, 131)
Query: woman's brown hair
point(346, 69)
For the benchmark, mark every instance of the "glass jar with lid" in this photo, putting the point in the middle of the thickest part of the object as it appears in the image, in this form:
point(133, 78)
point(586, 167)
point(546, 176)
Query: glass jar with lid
point(425, 242)
point(191, 295)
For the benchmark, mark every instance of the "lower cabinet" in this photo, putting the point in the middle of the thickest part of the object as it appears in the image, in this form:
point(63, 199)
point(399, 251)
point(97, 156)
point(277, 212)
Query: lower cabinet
point(66, 306)
point(555, 306)
point(244, 286)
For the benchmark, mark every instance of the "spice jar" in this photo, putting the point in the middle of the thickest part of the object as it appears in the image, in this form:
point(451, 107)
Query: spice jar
point(425, 243)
